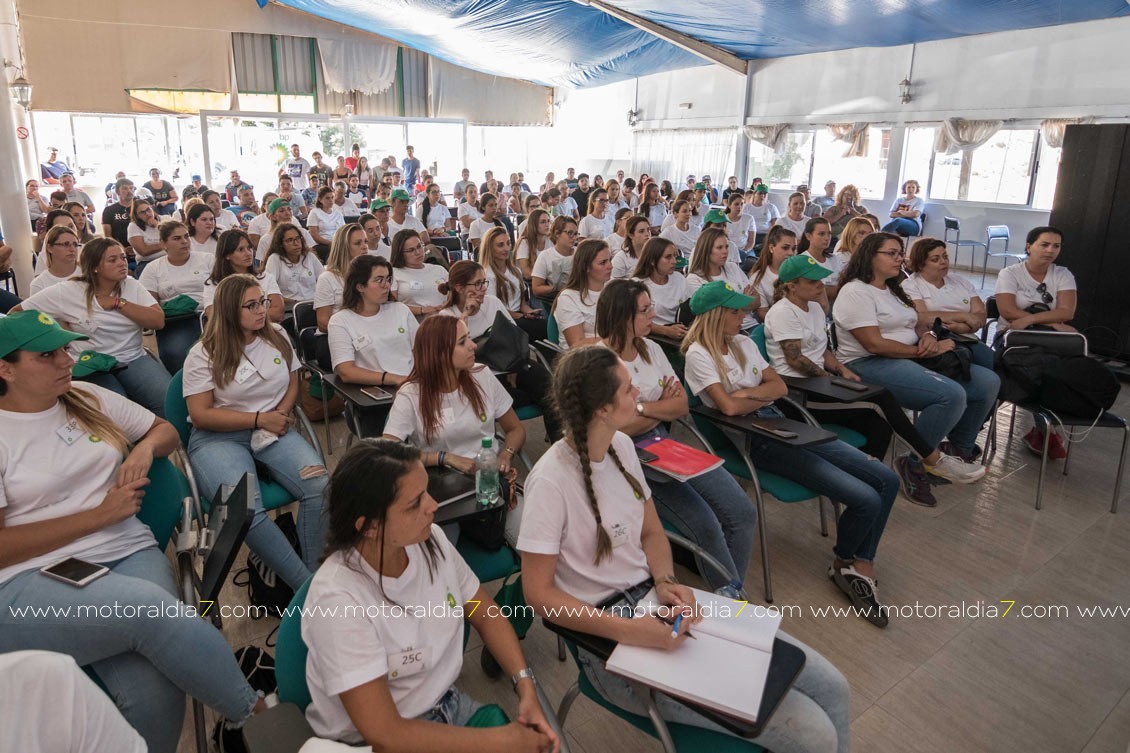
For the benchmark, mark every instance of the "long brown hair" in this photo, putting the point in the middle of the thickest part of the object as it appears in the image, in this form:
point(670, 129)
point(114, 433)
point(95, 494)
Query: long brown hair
point(225, 247)
point(615, 312)
point(488, 261)
point(431, 353)
point(776, 233)
point(88, 261)
point(223, 339)
point(338, 260)
point(653, 251)
point(277, 247)
point(531, 236)
point(360, 271)
point(460, 274)
point(703, 247)
point(709, 329)
point(583, 259)
point(584, 381)
point(630, 226)
point(859, 266)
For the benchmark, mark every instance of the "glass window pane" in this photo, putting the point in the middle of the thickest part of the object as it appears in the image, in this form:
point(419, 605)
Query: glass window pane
point(867, 173)
point(258, 103)
point(998, 172)
point(783, 170)
point(296, 103)
point(1046, 175)
point(917, 153)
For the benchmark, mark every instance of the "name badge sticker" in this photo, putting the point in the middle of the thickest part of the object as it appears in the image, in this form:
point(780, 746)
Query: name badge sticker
point(619, 534)
point(70, 432)
point(408, 663)
point(244, 372)
point(362, 342)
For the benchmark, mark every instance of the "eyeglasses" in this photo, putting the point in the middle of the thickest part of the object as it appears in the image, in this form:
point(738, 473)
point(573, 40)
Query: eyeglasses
point(381, 281)
point(262, 303)
point(648, 310)
point(293, 239)
point(1045, 296)
point(64, 245)
point(480, 285)
point(893, 254)
point(572, 233)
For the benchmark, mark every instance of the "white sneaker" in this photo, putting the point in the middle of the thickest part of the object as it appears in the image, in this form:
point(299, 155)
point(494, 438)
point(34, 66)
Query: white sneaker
point(955, 469)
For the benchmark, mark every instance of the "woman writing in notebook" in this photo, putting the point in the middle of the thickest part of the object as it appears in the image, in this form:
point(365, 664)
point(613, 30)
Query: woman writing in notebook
point(590, 535)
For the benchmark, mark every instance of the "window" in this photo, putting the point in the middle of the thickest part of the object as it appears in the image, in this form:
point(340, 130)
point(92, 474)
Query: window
point(785, 170)
point(867, 173)
point(1047, 170)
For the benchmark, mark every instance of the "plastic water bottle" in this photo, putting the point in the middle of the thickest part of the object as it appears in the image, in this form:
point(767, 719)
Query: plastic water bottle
point(486, 475)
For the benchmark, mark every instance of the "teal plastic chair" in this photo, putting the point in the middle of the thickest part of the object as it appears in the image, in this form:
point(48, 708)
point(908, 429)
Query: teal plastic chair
point(291, 651)
point(846, 435)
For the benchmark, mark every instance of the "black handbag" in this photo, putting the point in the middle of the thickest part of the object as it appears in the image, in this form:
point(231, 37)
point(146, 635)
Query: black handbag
point(505, 346)
point(954, 364)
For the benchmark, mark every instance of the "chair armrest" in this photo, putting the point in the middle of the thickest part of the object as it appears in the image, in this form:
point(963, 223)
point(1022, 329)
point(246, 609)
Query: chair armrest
point(600, 647)
point(703, 555)
point(308, 430)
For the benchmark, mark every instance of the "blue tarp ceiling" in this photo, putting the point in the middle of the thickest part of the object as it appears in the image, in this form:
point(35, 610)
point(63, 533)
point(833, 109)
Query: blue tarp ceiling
point(563, 43)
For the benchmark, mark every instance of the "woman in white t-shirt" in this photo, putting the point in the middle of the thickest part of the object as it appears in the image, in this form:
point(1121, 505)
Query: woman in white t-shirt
point(325, 218)
point(568, 205)
point(225, 220)
point(591, 536)
point(74, 462)
point(906, 212)
point(637, 232)
point(710, 509)
point(710, 262)
point(780, 244)
point(293, 264)
point(653, 208)
point(726, 370)
point(60, 252)
point(348, 243)
point(740, 228)
point(816, 241)
point(682, 232)
point(553, 265)
point(796, 341)
point(144, 232)
point(434, 214)
point(415, 283)
point(615, 241)
point(668, 288)
point(880, 338)
point(202, 231)
point(234, 256)
point(763, 211)
point(180, 272)
point(794, 219)
point(938, 294)
point(854, 232)
point(597, 224)
point(575, 307)
point(488, 218)
point(241, 384)
point(281, 214)
point(383, 677)
point(504, 282)
point(375, 225)
point(534, 240)
point(113, 309)
point(468, 209)
point(615, 198)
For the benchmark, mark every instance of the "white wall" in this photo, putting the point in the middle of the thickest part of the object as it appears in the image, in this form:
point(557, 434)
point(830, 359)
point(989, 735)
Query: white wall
point(714, 93)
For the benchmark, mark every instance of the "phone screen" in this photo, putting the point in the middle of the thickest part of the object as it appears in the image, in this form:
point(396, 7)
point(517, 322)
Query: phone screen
point(74, 570)
point(645, 456)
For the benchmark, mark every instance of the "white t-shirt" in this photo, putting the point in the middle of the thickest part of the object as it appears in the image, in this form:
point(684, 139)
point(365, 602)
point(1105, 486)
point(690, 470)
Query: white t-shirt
point(297, 169)
point(683, 239)
point(169, 280)
point(111, 332)
point(410, 223)
point(468, 210)
point(1017, 281)
point(623, 265)
point(567, 207)
point(523, 251)
point(207, 247)
point(150, 235)
point(917, 203)
point(731, 273)
point(615, 243)
point(552, 267)
point(616, 206)
point(656, 214)
point(763, 215)
point(460, 430)
point(666, 298)
point(867, 306)
point(738, 231)
point(225, 220)
point(326, 222)
point(328, 291)
point(437, 216)
point(558, 520)
point(833, 263)
point(45, 280)
point(955, 294)
point(267, 283)
point(787, 321)
point(479, 228)
point(52, 468)
point(483, 319)
point(261, 379)
point(265, 240)
point(347, 207)
point(701, 372)
point(296, 281)
point(765, 286)
point(261, 225)
point(419, 287)
point(648, 377)
point(571, 311)
point(597, 229)
point(797, 226)
point(513, 284)
point(421, 657)
point(382, 342)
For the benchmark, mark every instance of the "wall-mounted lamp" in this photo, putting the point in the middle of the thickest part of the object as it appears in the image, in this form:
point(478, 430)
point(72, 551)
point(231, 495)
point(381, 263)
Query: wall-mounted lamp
point(20, 88)
point(904, 90)
point(633, 117)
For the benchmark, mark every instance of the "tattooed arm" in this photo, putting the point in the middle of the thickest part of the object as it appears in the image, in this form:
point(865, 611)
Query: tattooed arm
point(798, 361)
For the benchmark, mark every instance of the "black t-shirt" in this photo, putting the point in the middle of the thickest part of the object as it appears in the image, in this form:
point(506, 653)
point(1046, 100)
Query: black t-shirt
point(582, 199)
point(323, 173)
point(162, 193)
point(117, 217)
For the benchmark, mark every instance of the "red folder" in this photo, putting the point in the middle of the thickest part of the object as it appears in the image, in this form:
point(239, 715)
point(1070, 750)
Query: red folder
point(677, 460)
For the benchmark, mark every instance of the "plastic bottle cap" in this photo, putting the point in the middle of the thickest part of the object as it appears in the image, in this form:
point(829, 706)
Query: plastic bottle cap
point(487, 442)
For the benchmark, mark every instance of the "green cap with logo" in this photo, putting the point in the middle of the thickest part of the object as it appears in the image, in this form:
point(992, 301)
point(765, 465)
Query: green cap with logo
point(92, 362)
point(802, 265)
point(761, 188)
point(700, 186)
point(718, 293)
point(378, 205)
point(715, 216)
point(400, 194)
point(276, 205)
point(34, 331)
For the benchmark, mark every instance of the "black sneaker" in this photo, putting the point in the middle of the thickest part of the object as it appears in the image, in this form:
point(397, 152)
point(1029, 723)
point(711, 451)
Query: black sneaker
point(915, 482)
point(226, 739)
point(861, 591)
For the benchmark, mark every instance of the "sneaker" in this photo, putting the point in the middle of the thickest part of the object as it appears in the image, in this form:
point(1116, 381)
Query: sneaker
point(1056, 450)
point(949, 448)
point(861, 591)
point(227, 739)
point(915, 484)
point(1034, 441)
point(731, 591)
point(956, 470)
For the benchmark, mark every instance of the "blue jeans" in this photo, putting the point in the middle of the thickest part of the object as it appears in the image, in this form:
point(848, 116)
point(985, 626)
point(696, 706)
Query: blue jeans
point(175, 339)
point(145, 381)
point(711, 510)
point(224, 457)
point(455, 708)
point(147, 663)
point(902, 226)
point(983, 355)
point(946, 408)
point(814, 716)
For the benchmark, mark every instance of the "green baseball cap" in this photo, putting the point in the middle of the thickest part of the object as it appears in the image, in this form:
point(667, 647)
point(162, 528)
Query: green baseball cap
point(715, 294)
point(93, 362)
point(401, 194)
point(378, 205)
point(35, 331)
point(276, 205)
point(761, 188)
point(700, 186)
point(715, 215)
point(801, 265)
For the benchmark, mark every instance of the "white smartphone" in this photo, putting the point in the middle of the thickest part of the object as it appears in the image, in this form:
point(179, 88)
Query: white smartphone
point(75, 572)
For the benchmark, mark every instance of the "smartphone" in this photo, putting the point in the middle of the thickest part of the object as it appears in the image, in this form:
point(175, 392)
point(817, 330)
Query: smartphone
point(645, 456)
point(848, 384)
point(75, 572)
point(782, 433)
point(376, 393)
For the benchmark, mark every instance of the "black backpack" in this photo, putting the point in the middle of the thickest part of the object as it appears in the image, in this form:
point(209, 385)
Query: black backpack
point(265, 588)
point(1078, 386)
point(1021, 369)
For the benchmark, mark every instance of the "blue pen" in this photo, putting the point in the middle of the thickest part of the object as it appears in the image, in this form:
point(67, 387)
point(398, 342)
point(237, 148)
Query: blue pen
point(675, 626)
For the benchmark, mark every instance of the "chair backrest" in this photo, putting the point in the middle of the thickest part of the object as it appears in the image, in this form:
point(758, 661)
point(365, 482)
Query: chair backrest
point(552, 333)
point(996, 231)
point(757, 334)
point(992, 313)
point(315, 347)
point(291, 652)
point(952, 223)
point(161, 506)
point(304, 315)
point(176, 409)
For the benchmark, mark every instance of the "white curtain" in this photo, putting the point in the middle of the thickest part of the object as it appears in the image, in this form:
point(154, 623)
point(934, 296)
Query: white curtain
point(958, 134)
point(1053, 129)
point(855, 135)
point(487, 100)
point(365, 67)
point(675, 154)
point(772, 136)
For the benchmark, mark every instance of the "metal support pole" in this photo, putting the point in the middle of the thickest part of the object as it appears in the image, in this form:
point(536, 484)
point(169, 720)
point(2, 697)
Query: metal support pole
point(742, 152)
point(13, 201)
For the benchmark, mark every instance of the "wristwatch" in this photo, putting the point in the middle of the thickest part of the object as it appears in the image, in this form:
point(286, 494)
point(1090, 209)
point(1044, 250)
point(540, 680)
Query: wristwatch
point(522, 674)
point(639, 409)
